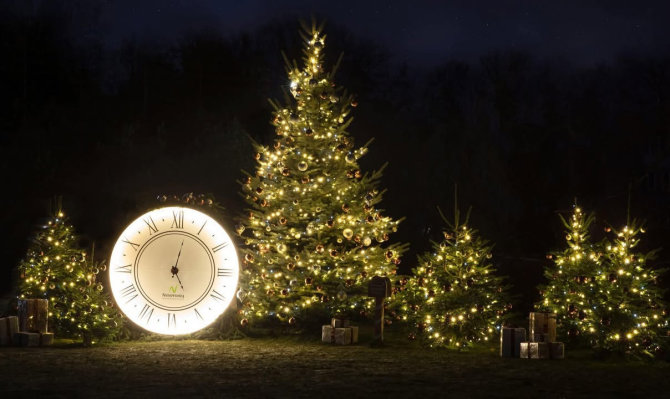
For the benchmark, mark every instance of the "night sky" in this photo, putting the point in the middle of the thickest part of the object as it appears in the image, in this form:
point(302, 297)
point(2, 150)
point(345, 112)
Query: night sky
point(525, 105)
point(423, 32)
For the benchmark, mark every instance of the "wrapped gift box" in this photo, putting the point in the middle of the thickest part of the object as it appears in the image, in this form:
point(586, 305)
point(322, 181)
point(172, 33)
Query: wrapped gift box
point(542, 327)
point(5, 339)
point(354, 334)
point(327, 333)
point(27, 339)
point(8, 327)
point(342, 336)
point(556, 350)
point(339, 322)
point(510, 338)
point(339, 336)
point(534, 350)
point(33, 314)
point(46, 339)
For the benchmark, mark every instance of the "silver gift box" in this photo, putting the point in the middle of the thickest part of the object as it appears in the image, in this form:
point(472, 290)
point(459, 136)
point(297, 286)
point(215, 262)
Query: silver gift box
point(534, 350)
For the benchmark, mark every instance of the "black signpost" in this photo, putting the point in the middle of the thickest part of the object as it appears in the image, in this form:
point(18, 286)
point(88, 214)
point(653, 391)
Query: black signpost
point(379, 288)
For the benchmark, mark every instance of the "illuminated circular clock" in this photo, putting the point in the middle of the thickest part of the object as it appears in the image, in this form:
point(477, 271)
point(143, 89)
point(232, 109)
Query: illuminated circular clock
point(173, 271)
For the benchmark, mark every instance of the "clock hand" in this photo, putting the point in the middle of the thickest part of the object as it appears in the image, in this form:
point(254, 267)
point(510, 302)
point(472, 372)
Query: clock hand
point(179, 254)
point(174, 269)
point(180, 284)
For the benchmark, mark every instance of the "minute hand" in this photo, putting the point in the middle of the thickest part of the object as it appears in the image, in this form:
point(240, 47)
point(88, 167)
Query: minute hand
point(179, 254)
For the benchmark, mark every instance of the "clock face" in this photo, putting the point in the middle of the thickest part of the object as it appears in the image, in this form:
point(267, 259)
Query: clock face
point(173, 270)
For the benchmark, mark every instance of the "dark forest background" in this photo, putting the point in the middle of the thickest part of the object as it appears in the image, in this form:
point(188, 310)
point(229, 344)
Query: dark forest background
point(109, 129)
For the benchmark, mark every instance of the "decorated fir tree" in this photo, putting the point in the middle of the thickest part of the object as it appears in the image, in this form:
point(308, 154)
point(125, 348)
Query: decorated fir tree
point(634, 315)
point(56, 270)
point(454, 299)
point(573, 291)
point(604, 294)
point(314, 232)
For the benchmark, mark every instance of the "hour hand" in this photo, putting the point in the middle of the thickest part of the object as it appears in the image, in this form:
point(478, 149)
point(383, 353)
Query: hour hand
point(179, 280)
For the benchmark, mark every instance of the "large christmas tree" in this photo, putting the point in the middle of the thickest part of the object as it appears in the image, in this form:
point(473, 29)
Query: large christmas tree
point(454, 299)
point(573, 292)
point(605, 294)
point(56, 270)
point(314, 234)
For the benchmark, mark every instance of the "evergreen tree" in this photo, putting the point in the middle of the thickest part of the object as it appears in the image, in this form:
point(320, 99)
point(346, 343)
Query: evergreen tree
point(604, 294)
point(634, 316)
point(454, 299)
point(314, 234)
point(56, 270)
point(573, 291)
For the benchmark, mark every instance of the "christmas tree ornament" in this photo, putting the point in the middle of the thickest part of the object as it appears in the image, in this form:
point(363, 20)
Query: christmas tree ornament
point(341, 293)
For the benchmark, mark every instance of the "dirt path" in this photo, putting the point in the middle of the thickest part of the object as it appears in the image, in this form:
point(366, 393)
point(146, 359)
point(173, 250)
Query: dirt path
point(284, 368)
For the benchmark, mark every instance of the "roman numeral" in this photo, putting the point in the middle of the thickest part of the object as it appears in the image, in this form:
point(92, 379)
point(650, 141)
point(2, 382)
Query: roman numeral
point(203, 226)
point(224, 272)
point(146, 311)
point(220, 247)
point(172, 320)
point(152, 225)
point(217, 295)
point(129, 292)
point(198, 314)
point(123, 269)
point(132, 244)
point(177, 219)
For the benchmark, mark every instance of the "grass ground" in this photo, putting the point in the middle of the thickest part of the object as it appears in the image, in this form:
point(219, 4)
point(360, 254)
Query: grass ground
point(301, 367)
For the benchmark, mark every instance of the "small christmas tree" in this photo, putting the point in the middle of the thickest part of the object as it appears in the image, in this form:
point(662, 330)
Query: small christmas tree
point(573, 291)
point(454, 299)
point(604, 294)
point(315, 234)
point(634, 313)
point(56, 270)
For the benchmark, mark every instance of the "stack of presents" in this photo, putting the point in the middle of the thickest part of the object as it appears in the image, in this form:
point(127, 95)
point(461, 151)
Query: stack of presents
point(339, 332)
point(541, 343)
point(29, 328)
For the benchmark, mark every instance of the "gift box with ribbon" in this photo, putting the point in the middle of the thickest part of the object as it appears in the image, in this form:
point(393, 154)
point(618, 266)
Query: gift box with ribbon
point(542, 327)
point(339, 336)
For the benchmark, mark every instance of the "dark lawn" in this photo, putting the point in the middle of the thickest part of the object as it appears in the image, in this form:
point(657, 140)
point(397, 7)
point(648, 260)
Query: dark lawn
point(290, 367)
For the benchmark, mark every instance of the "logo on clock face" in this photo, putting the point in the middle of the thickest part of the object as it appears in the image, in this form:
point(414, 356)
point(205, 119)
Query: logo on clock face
point(173, 270)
